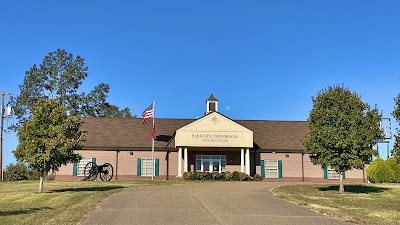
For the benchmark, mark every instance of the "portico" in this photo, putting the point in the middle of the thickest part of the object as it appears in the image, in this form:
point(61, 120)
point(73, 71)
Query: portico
point(209, 140)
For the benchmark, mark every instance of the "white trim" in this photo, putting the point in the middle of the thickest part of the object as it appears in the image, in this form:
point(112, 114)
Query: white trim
point(180, 162)
point(185, 160)
point(242, 160)
point(248, 161)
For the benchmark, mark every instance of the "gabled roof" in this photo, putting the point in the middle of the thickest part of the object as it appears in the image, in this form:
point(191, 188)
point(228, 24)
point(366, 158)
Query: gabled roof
point(217, 124)
point(130, 133)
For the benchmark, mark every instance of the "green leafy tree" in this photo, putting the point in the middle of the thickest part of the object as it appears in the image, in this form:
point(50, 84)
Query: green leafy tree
point(343, 130)
point(48, 139)
point(59, 76)
point(396, 114)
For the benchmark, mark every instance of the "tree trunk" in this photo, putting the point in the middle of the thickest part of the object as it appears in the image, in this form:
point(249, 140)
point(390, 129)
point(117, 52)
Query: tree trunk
point(341, 187)
point(41, 184)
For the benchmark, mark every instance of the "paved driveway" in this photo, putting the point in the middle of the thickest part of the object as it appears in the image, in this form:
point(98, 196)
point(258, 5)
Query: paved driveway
point(203, 203)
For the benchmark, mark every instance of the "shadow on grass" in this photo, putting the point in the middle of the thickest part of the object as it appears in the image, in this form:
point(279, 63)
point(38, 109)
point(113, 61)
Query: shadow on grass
point(22, 211)
point(79, 189)
point(357, 189)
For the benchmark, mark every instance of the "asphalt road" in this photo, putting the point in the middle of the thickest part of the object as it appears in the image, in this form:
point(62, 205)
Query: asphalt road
point(204, 203)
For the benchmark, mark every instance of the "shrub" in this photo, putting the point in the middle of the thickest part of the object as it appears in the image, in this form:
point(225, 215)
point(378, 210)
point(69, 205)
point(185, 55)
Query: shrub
point(14, 172)
point(371, 170)
point(380, 172)
point(384, 174)
point(35, 175)
point(243, 176)
point(257, 177)
point(194, 175)
point(235, 176)
point(209, 176)
point(186, 176)
point(228, 175)
point(216, 175)
point(202, 175)
point(392, 162)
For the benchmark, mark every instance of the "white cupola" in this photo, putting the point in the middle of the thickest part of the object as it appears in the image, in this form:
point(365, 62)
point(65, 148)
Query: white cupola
point(212, 104)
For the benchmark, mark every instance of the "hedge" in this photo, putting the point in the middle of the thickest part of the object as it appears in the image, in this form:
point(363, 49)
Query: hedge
point(227, 176)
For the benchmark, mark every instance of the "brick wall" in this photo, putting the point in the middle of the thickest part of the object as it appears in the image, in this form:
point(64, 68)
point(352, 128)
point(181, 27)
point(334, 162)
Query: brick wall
point(127, 164)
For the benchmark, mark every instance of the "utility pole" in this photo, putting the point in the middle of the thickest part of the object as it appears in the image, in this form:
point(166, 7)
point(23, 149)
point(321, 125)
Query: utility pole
point(3, 95)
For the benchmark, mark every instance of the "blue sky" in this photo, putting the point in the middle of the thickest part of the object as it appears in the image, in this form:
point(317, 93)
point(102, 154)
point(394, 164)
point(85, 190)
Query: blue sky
point(261, 59)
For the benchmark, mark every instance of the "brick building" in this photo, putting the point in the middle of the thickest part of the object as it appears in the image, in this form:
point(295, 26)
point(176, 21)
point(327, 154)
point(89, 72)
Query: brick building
point(213, 142)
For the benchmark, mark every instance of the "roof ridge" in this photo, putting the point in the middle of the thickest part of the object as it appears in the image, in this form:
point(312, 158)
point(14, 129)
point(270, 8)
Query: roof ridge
point(114, 118)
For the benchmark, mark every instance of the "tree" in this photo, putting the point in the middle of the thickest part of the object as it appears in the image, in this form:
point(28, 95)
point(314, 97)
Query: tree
point(396, 114)
point(343, 130)
point(48, 139)
point(59, 76)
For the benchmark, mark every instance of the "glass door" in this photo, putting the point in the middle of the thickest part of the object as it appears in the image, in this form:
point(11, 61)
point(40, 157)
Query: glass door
point(211, 165)
point(205, 165)
point(216, 166)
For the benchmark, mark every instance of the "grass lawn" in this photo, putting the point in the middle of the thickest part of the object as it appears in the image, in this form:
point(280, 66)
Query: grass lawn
point(362, 204)
point(64, 202)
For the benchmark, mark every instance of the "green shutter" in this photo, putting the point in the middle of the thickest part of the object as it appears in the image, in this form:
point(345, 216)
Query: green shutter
point(157, 167)
point(139, 167)
point(279, 168)
point(75, 169)
point(93, 160)
point(262, 163)
point(325, 172)
point(344, 174)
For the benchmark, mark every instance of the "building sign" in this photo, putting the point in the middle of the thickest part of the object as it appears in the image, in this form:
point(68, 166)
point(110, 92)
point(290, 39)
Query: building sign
point(214, 130)
point(215, 137)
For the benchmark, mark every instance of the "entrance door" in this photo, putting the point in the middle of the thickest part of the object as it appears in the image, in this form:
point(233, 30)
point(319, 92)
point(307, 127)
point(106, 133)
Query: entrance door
point(211, 165)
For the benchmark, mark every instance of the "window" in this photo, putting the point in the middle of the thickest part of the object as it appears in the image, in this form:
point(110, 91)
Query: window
point(271, 169)
point(147, 167)
point(81, 165)
point(332, 174)
point(205, 161)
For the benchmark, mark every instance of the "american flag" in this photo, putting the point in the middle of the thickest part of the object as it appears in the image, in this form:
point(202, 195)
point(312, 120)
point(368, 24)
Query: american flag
point(147, 113)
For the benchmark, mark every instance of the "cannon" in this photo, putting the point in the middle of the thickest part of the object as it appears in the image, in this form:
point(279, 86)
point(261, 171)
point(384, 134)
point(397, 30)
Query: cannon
point(91, 171)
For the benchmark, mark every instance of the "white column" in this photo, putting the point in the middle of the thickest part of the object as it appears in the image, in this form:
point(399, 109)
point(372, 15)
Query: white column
point(242, 160)
point(248, 161)
point(180, 162)
point(185, 160)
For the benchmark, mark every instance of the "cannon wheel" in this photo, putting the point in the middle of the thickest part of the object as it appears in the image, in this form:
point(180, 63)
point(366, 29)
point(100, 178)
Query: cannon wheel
point(107, 173)
point(91, 171)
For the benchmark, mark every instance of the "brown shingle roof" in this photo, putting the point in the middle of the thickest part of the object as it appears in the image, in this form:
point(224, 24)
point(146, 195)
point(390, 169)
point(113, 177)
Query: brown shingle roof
point(120, 133)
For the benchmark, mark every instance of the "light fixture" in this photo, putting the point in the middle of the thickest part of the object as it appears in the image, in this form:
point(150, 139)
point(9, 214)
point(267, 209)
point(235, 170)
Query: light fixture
point(287, 155)
point(231, 160)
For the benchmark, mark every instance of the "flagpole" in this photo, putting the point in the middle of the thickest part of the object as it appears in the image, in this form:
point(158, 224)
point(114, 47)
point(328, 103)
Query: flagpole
point(152, 145)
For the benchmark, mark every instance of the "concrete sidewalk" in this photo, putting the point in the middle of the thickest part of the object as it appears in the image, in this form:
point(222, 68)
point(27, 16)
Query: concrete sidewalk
point(204, 203)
